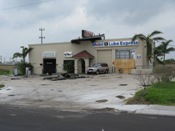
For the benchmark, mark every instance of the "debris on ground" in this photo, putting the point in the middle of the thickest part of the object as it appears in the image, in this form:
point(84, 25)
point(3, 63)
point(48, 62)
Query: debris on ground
point(15, 78)
point(63, 76)
point(105, 109)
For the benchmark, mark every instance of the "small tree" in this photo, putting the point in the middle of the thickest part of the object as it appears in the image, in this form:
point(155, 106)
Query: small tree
point(22, 65)
point(145, 78)
point(163, 49)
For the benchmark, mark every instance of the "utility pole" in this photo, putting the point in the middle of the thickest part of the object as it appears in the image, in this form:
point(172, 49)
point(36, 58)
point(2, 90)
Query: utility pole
point(41, 37)
point(0, 59)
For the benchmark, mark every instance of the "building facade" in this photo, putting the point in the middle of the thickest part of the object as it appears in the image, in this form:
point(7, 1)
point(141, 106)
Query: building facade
point(119, 54)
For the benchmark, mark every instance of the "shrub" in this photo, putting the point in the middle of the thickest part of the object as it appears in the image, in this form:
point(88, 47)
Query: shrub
point(145, 78)
point(1, 86)
point(162, 74)
point(68, 66)
point(22, 67)
point(4, 72)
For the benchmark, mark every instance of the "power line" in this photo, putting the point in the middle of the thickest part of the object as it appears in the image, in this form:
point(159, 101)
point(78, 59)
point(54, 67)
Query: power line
point(20, 6)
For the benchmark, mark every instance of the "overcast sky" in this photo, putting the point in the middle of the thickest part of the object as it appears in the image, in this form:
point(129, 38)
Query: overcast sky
point(63, 20)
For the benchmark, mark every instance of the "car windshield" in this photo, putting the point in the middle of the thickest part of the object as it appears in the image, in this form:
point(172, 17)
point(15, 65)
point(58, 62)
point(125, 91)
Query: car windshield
point(95, 65)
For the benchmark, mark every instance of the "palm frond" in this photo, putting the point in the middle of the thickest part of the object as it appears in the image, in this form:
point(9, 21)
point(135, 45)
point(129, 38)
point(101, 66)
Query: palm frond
point(169, 41)
point(159, 61)
point(138, 36)
point(170, 49)
point(26, 51)
point(156, 32)
point(158, 39)
point(17, 54)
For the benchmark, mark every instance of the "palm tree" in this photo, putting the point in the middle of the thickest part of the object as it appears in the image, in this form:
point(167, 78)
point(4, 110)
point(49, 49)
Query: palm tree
point(22, 65)
point(24, 53)
point(163, 49)
point(150, 42)
point(157, 54)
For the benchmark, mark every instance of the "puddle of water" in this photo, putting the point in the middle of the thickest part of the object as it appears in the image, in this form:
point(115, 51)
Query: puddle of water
point(45, 84)
point(101, 101)
point(93, 85)
point(11, 95)
point(123, 84)
point(120, 97)
point(118, 77)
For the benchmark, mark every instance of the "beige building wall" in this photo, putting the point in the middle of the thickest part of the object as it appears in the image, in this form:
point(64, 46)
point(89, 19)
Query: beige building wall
point(36, 55)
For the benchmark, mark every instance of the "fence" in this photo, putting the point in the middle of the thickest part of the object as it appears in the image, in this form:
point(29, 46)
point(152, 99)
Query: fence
point(7, 67)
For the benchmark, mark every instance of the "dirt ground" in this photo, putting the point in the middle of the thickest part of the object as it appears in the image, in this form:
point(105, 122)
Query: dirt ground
point(92, 92)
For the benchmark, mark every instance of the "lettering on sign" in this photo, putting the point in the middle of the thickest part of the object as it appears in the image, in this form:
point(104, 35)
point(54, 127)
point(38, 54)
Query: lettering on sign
point(139, 56)
point(115, 43)
point(67, 54)
point(49, 54)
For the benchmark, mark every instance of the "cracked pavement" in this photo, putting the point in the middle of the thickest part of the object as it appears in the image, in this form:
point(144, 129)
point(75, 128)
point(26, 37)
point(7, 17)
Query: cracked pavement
point(94, 92)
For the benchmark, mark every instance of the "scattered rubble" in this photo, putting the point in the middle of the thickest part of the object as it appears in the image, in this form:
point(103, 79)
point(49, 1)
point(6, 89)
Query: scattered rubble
point(15, 78)
point(63, 76)
point(105, 109)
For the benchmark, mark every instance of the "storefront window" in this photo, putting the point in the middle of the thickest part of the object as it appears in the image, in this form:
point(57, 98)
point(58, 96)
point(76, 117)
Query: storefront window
point(123, 54)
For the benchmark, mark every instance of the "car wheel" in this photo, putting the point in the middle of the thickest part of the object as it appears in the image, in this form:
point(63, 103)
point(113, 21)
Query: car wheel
point(106, 71)
point(97, 72)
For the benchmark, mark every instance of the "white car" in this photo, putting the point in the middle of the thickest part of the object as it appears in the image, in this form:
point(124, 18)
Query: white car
point(98, 68)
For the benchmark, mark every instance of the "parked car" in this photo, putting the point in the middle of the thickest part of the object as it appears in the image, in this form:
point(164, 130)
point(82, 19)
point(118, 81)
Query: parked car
point(98, 68)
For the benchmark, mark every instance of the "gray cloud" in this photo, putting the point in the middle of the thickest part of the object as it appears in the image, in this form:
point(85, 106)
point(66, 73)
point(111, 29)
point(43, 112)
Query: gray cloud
point(63, 20)
point(130, 12)
point(23, 13)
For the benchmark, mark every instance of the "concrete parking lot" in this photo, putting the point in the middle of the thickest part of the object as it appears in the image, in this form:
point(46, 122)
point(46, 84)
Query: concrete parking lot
point(94, 92)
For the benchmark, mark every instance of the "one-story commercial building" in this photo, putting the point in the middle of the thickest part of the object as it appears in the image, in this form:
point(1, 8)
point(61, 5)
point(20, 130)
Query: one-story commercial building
point(121, 55)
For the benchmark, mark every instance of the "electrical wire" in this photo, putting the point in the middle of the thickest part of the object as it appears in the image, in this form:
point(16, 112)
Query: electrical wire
point(20, 6)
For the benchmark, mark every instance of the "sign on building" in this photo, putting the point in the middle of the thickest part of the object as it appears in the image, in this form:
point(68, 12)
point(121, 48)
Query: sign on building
point(87, 34)
point(67, 54)
point(49, 54)
point(115, 43)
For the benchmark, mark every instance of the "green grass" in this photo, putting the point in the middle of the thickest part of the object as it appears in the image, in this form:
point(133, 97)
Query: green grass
point(159, 93)
point(4, 72)
point(1, 86)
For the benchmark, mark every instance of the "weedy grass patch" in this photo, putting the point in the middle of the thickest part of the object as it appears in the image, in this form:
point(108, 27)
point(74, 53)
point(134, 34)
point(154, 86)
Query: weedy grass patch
point(158, 93)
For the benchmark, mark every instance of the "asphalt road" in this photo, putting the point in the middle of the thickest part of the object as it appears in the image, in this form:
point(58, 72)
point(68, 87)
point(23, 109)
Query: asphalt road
point(46, 119)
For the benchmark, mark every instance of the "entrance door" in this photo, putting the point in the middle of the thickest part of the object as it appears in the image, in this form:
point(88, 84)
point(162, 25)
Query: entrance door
point(81, 66)
point(49, 66)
